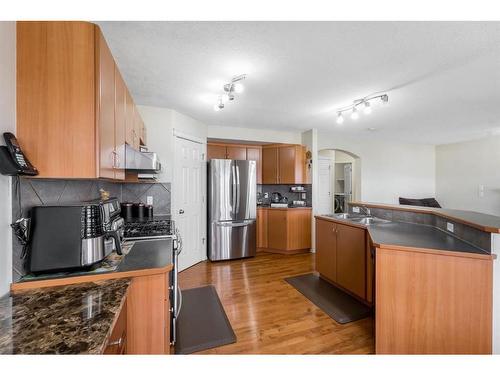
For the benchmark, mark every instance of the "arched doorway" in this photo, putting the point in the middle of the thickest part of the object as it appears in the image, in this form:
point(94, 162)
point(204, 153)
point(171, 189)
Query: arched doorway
point(339, 180)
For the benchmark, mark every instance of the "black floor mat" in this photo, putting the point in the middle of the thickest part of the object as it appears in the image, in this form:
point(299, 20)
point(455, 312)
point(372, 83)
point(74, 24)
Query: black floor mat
point(202, 322)
point(339, 305)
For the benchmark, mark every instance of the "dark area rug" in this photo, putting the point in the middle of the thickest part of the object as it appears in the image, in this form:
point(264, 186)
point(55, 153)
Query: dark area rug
point(337, 304)
point(202, 322)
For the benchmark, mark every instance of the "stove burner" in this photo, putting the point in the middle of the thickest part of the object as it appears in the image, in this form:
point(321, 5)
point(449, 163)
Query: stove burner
point(150, 228)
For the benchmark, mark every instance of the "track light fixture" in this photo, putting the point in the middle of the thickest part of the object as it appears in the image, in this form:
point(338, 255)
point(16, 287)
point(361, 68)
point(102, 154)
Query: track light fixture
point(340, 118)
point(364, 102)
point(354, 114)
point(230, 88)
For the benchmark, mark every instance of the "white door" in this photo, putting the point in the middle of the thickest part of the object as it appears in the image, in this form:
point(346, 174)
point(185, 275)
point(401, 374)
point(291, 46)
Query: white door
point(325, 194)
point(188, 200)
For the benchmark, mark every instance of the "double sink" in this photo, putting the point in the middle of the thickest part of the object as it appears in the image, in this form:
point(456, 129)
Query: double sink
point(360, 219)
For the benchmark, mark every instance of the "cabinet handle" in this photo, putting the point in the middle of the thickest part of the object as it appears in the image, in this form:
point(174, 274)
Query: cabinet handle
point(113, 159)
point(116, 342)
point(117, 157)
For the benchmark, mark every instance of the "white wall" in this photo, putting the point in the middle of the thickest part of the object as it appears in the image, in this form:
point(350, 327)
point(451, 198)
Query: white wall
point(388, 170)
point(310, 140)
point(161, 124)
point(257, 135)
point(462, 167)
point(7, 123)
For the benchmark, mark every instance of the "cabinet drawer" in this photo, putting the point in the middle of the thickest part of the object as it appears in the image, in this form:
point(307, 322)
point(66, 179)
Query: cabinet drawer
point(117, 343)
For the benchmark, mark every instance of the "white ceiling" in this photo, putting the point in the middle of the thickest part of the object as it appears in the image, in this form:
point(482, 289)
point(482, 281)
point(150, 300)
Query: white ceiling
point(443, 78)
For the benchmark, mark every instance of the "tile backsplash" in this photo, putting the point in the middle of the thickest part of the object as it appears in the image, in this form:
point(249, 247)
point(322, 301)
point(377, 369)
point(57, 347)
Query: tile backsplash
point(36, 192)
point(285, 191)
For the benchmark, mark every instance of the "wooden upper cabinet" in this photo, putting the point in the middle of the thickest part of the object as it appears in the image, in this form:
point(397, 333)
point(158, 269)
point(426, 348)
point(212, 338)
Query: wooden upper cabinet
point(137, 129)
point(143, 135)
point(351, 259)
point(255, 153)
point(236, 153)
point(73, 108)
point(129, 120)
point(120, 125)
point(55, 121)
point(216, 151)
point(283, 164)
point(105, 107)
point(270, 165)
point(326, 249)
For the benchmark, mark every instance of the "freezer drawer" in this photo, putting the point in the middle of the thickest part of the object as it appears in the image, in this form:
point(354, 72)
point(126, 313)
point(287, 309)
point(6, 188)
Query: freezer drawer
point(232, 240)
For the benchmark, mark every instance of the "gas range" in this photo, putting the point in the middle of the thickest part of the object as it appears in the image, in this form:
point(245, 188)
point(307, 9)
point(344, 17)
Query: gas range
point(155, 228)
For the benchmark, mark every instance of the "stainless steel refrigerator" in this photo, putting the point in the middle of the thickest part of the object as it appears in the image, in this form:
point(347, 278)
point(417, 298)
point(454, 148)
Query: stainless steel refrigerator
point(232, 209)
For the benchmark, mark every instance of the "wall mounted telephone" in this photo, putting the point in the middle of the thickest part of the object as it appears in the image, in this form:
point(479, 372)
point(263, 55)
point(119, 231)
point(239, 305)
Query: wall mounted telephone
point(13, 162)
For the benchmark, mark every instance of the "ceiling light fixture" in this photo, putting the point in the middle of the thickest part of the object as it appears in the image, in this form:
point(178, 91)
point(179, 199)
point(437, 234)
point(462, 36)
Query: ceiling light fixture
point(230, 88)
point(368, 109)
point(365, 102)
point(354, 114)
point(340, 118)
point(219, 105)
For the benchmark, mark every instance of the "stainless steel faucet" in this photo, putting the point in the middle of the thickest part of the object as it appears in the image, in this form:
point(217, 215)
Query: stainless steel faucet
point(366, 210)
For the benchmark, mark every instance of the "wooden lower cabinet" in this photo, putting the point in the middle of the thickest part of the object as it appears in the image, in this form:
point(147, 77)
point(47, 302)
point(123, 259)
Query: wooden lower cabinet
point(288, 230)
point(433, 303)
point(326, 249)
point(351, 259)
point(148, 315)
point(262, 228)
point(341, 256)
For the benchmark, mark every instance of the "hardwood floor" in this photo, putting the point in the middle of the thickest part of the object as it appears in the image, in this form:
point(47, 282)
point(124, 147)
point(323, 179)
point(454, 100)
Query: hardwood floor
point(269, 316)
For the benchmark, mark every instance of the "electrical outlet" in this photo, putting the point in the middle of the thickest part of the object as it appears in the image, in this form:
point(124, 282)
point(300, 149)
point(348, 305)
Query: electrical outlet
point(355, 210)
point(480, 191)
point(149, 200)
point(450, 227)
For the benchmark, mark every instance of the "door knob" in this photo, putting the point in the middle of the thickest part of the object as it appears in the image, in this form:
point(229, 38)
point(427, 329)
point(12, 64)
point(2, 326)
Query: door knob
point(181, 211)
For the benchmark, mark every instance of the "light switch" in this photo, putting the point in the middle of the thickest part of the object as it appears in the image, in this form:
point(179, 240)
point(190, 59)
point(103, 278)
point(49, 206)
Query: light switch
point(450, 227)
point(149, 200)
point(355, 210)
point(480, 190)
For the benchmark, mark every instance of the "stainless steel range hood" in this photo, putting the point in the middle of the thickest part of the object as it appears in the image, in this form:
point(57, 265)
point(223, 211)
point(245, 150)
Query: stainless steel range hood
point(142, 162)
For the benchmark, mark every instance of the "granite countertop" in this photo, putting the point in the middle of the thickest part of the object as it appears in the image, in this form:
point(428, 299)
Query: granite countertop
point(409, 235)
point(74, 319)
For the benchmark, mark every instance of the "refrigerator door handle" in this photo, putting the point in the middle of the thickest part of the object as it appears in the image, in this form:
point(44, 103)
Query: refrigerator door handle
point(237, 189)
point(235, 224)
point(233, 189)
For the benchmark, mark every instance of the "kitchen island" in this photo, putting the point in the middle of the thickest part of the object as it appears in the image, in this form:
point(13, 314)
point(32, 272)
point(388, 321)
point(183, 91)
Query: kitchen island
point(432, 290)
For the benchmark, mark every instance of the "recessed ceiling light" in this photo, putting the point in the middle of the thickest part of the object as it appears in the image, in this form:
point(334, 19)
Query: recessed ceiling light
point(371, 129)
